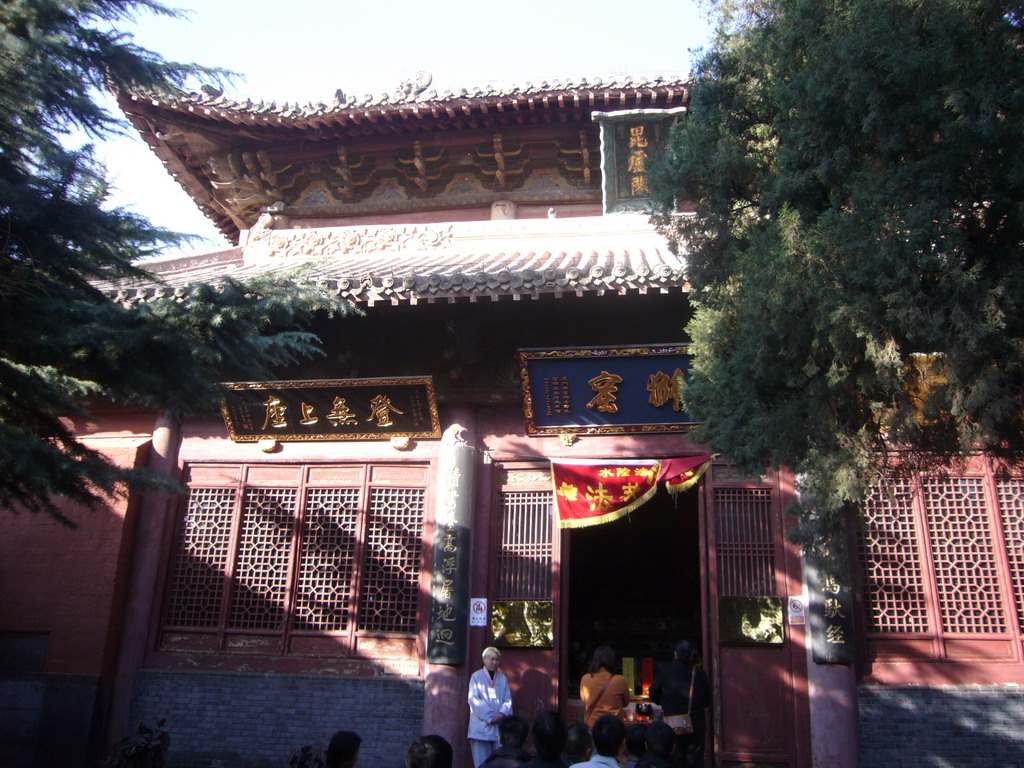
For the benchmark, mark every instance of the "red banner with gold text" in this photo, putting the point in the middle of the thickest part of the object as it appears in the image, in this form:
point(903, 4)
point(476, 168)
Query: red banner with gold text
point(594, 491)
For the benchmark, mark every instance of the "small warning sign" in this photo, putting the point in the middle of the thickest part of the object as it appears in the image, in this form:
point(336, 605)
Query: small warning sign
point(797, 610)
point(478, 612)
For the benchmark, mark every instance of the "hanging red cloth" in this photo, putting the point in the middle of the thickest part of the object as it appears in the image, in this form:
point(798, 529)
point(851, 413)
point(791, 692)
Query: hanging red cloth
point(682, 474)
point(594, 491)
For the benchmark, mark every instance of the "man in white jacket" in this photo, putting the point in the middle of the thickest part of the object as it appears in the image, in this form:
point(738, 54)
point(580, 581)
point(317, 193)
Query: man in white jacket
point(490, 702)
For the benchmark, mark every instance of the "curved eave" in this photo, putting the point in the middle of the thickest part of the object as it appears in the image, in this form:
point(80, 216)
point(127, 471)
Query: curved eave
point(517, 276)
point(269, 124)
point(484, 261)
point(191, 180)
point(387, 116)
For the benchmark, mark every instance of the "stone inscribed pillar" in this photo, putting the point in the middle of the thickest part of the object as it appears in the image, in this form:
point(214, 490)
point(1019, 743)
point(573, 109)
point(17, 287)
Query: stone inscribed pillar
point(830, 610)
point(449, 593)
point(831, 679)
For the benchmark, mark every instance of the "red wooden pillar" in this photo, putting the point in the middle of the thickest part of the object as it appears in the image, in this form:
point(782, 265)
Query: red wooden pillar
point(153, 528)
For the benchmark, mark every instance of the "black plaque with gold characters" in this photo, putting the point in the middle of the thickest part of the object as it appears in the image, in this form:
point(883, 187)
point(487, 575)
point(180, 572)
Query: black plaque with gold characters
point(830, 612)
point(631, 141)
point(342, 409)
point(449, 590)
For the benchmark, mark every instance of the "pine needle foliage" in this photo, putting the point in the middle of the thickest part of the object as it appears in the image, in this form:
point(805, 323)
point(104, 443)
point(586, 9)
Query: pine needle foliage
point(857, 250)
point(62, 342)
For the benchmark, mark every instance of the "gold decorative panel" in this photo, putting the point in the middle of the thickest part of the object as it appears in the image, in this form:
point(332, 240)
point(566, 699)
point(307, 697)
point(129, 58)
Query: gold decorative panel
point(750, 620)
point(523, 624)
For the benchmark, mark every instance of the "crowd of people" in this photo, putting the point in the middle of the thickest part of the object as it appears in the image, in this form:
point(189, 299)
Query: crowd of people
point(608, 744)
point(496, 736)
point(603, 739)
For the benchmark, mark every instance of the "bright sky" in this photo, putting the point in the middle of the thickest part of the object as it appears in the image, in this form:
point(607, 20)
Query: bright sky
point(305, 50)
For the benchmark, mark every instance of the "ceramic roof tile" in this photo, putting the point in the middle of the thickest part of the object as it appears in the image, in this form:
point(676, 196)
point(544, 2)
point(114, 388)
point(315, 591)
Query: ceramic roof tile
point(370, 265)
point(214, 104)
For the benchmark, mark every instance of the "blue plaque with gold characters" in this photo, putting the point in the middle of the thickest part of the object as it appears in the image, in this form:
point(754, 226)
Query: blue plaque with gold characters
point(612, 390)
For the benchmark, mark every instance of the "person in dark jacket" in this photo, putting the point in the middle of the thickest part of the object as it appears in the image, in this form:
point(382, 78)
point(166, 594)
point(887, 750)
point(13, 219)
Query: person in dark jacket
point(343, 751)
point(578, 744)
point(512, 732)
point(429, 752)
point(671, 689)
point(549, 739)
point(636, 743)
point(661, 741)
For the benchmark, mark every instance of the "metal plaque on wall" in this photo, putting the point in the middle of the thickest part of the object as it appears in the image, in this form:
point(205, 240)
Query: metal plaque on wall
point(610, 390)
point(750, 620)
point(340, 409)
point(523, 624)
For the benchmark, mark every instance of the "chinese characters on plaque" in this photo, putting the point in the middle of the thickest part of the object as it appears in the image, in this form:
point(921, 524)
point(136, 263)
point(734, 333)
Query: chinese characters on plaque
point(449, 594)
point(344, 409)
point(830, 613)
point(595, 491)
point(604, 389)
point(637, 160)
point(630, 142)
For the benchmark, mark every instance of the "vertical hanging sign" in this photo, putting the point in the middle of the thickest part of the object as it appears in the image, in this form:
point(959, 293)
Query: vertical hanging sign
point(449, 593)
point(830, 612)
point(631, 140)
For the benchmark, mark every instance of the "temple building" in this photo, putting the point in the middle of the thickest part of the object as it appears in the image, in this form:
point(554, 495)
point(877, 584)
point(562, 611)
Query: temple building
point(492, 452)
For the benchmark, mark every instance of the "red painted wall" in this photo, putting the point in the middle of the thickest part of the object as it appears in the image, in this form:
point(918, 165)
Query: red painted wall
point(69, 582)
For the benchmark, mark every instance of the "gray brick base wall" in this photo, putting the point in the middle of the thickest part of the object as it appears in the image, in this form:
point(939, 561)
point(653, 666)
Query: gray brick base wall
point(221, 720)
point(46, 719)
point(970, 726)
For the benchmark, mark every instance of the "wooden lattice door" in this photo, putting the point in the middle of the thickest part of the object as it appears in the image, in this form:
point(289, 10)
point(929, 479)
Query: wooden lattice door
point(524, 573)
point(756, 693)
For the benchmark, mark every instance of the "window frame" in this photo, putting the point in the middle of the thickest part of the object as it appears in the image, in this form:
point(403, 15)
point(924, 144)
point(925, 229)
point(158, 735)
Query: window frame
point(514, 477)
point(524, 545)
point(938, 643)
point(287, 640)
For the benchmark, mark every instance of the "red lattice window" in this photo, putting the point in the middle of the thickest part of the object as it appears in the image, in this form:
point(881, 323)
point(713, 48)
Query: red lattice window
point(744, 542)
point(327, 565)
point(525, 551)
point(291, 550)
point(392, 560)
point(261, 565)
point(962, 550)
point(937, 556)
point(1011, 508)
point(893, 584)
point(202, 557)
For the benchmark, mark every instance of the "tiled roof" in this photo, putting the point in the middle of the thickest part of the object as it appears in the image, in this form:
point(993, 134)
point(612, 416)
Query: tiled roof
point(410, 103)
point(198, 135)
point(416, 263)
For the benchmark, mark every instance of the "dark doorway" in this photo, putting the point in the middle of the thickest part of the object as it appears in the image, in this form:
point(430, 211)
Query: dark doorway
point(635, 584)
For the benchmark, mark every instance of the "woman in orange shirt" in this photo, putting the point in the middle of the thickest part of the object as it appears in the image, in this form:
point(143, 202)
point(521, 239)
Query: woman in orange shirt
point(602, 691)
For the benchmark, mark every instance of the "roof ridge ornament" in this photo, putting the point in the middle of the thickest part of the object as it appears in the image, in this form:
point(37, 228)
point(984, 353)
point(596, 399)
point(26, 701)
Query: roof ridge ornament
point(265, 242)
point(409, 90)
